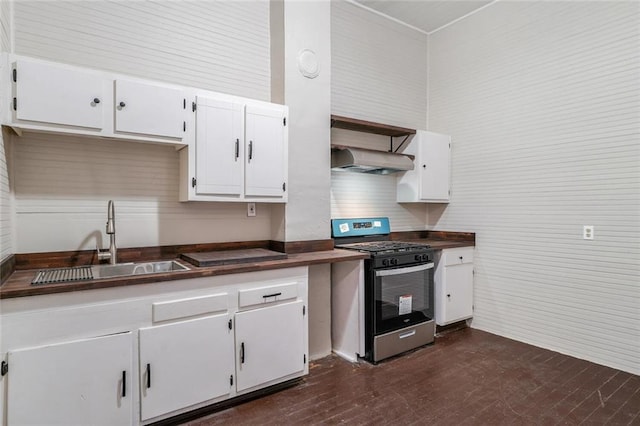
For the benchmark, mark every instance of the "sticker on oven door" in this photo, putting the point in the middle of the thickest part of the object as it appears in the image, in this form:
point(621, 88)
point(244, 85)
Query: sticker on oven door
point(404, 305)
point(344, 227)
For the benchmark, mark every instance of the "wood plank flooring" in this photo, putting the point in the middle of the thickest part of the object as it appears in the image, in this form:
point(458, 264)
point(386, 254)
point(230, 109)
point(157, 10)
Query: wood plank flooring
point(468, 377)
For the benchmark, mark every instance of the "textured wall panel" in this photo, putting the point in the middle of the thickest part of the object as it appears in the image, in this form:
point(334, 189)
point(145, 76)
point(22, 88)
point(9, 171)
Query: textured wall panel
point(63, 183)
point(542, 102)
point(5, 26)
point(6, 202)
point(378, 67)
point(216, 45)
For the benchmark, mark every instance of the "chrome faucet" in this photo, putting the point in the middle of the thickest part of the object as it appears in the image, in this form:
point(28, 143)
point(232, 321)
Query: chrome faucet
point(111, 231)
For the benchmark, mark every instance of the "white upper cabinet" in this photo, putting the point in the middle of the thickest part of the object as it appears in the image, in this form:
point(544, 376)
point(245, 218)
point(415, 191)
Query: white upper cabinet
point(58, 98)
point(240, 151)
point(149, 109)
point(430, 180)
point(266, 156)
point(219, 150)
point(59, 95)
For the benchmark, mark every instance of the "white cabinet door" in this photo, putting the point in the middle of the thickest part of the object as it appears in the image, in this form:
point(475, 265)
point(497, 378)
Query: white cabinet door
point(429, 181)
point(454, 285)
point(184, 363)
point(148, 109)
point(435, 157)
point(266, 155)
point(458, 292)
point(269, 344)
point(59, 95)
point(219, 147)
point(85, 382)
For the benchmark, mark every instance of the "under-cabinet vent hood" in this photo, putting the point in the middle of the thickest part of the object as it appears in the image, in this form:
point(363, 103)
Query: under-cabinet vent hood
point(369, 161)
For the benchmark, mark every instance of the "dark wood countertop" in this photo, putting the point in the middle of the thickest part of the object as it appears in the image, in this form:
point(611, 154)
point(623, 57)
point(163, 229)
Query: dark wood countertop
point(442, 244)
point(19, 283)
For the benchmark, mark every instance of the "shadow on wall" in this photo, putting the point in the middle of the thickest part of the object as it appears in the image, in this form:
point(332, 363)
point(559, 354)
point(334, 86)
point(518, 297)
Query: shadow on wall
point(63, 183)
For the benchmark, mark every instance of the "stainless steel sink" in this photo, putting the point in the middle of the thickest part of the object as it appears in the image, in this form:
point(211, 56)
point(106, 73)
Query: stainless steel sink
point(127, 269)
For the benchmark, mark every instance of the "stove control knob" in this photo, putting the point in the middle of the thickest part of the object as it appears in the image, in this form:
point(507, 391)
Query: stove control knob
point(385, 262)
point(425, 257)
point(419, 257)
point(394, 261)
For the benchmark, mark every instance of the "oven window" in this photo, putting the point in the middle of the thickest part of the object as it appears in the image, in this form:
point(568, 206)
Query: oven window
point(403, 299)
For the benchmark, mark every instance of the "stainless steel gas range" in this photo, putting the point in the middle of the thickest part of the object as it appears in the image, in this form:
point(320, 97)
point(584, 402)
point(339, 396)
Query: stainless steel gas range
point(398, 287)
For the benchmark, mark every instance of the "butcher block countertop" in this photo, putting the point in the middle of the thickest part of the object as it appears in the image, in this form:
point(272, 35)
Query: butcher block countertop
point(19, 283)
point(203, 260)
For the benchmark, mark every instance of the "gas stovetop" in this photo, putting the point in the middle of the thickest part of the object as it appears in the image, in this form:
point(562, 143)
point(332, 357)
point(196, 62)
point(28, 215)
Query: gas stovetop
point(371, 235)
point(385, 247)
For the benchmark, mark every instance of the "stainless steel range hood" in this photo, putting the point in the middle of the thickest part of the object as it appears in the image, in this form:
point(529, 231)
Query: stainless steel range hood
point(369, 161)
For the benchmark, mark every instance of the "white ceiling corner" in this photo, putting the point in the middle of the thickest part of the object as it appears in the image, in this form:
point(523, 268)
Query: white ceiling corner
point(424, 15)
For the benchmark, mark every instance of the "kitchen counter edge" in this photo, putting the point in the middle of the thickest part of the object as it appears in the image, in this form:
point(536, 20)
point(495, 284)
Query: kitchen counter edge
point(19, 283)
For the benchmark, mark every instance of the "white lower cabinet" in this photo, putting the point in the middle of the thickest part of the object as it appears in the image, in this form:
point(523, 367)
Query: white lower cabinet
point(454, 285)
point(72, 383)
point(270, 344)
point(185, 363)
point(72, 358)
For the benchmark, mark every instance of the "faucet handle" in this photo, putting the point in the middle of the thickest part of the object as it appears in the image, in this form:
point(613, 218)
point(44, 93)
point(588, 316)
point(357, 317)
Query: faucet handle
point(102, 254)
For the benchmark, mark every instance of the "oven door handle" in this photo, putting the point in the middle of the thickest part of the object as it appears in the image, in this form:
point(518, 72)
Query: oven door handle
point(407, 270)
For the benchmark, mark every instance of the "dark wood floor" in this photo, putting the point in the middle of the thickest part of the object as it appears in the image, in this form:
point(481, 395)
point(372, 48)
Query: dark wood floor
point(467, 377)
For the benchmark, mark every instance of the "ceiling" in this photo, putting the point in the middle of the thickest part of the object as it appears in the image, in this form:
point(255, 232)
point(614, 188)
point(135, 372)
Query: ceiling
point(425, 15)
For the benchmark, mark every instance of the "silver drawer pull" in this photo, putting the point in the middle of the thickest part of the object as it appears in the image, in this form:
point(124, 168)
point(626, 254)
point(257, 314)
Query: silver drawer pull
point(409, 334)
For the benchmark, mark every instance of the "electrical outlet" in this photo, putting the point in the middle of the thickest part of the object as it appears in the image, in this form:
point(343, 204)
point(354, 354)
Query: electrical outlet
point(251, 209)
point(587, 232)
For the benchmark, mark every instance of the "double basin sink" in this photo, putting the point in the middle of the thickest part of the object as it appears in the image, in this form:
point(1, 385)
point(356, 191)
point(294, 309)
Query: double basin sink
point(83, 273)
point(130, 269)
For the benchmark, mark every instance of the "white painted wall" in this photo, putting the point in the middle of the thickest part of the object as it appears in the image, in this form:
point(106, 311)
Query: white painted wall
point(307, 27)
point(61, 204)
point(542, 102)
point(379, 70)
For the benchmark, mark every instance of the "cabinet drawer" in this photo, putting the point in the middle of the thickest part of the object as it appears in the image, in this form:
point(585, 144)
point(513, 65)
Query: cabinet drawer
point(182, 308)
point(267, 294)
point(457, 256)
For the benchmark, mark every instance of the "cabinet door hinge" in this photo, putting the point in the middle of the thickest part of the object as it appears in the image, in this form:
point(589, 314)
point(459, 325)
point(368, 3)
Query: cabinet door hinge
point(284, 121)
point(4, 368)
point(304, 310)
point(184, 126)
point(230, 325)
point(15, 104)
point(193, 107)
point(304, 358)
point(15, 75)
point(231, 380)
point(193, 182)
point(284, 186)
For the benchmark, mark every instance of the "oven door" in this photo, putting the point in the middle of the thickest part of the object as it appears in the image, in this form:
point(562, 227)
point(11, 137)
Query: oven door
point(403, 297)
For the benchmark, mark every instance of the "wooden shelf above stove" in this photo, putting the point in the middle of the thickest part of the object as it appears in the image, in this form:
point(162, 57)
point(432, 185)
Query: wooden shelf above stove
point(369, 127)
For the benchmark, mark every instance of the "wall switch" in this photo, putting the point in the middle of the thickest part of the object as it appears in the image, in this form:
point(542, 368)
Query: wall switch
point(587, 232)
point(251, 209)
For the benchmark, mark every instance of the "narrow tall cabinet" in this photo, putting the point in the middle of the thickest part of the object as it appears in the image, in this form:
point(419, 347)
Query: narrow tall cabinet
point(429, 181)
